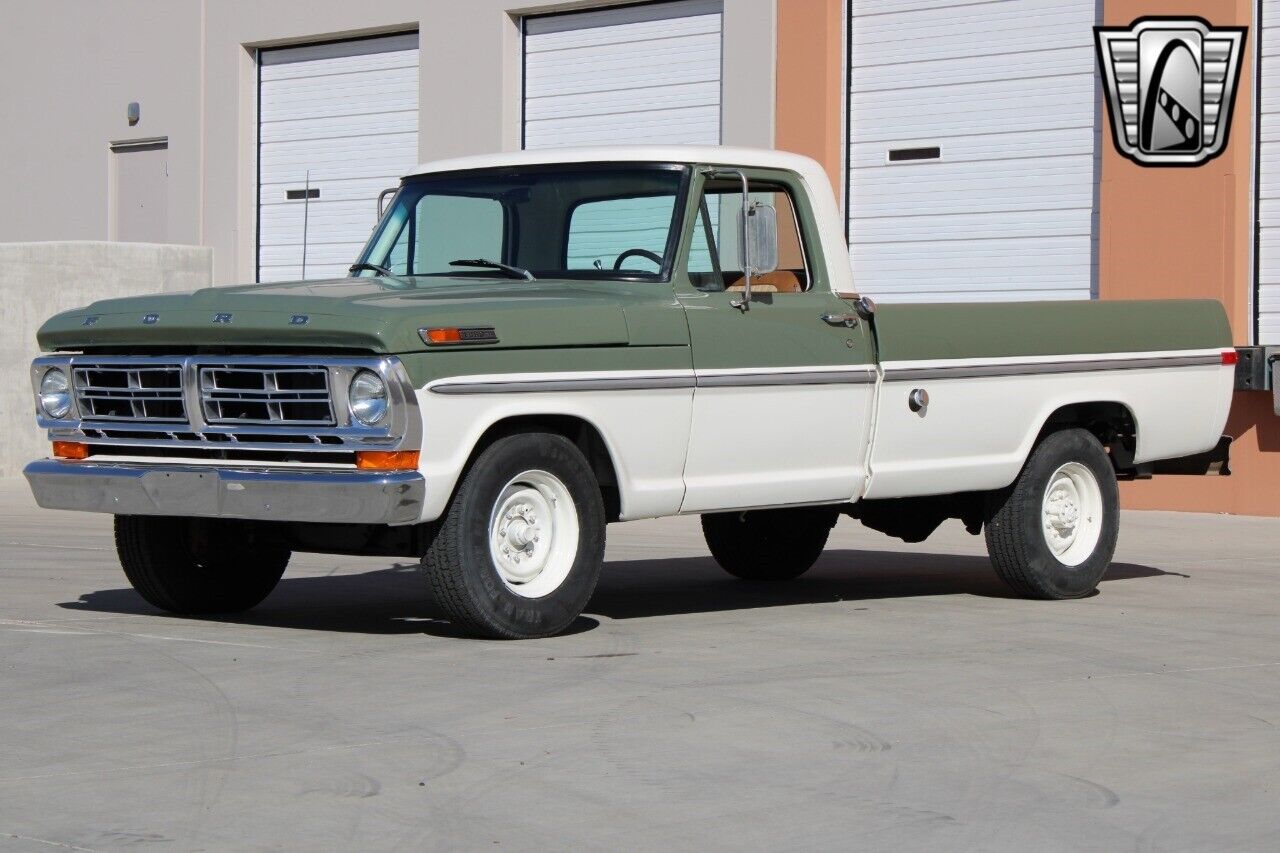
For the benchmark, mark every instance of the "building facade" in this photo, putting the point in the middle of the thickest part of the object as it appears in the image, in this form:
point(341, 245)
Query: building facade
point(968, 142)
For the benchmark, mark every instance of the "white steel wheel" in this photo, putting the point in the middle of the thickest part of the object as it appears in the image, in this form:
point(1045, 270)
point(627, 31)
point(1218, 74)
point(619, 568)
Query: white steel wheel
point(530, 495)
point(1071, 513)
point(533, 533)
point(1052, 532)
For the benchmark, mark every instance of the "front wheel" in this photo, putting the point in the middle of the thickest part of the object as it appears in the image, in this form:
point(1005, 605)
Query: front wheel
point(770, 544)
point(519, 550)
point(1052, 534)
point(197, 566)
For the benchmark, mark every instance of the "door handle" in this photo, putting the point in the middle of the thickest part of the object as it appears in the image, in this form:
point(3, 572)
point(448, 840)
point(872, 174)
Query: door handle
point(846, 320)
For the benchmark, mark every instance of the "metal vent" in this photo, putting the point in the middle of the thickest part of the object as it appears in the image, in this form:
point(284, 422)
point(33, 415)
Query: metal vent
point(267, 394)
point(122, 392)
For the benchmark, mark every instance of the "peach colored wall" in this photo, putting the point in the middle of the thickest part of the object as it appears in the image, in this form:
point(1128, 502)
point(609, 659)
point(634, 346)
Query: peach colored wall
point(810, 77)
point(1188, 232)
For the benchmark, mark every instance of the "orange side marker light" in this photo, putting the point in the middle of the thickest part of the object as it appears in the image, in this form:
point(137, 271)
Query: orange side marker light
point(387, 460)
point(442, 336)
point(70, 450)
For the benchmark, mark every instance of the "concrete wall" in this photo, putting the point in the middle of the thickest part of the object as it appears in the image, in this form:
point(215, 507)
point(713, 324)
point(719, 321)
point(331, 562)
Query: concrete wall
point(38, 280)
point(70, 70)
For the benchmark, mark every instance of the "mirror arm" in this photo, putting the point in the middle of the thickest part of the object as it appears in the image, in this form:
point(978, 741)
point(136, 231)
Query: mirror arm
point(745, 302)
point(382, 200)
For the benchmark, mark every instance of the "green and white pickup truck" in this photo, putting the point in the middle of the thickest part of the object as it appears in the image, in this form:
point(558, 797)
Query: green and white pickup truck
point(533, 345)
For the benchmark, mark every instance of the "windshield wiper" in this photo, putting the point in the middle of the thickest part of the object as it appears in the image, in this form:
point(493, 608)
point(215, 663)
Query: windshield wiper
point(514, 272)
point(380, 270)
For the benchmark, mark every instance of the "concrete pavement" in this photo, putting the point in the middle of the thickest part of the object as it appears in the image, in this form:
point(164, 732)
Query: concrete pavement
point(895, 698)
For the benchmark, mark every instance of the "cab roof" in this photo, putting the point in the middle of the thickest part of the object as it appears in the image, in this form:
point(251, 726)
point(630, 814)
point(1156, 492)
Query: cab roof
point(831, 225)
point(718, 155)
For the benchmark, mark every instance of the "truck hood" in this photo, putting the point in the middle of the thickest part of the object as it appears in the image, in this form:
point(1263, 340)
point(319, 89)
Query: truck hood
point(381, 315)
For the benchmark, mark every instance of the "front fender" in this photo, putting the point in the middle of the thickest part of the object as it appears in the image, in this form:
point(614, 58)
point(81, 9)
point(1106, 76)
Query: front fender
point(645, 432)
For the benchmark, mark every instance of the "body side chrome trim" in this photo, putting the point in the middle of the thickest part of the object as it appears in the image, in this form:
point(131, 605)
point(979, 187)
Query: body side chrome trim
point(1032, 368)
point(839, 374)
point(864, 376)
point(720, 378)
point(533, 386)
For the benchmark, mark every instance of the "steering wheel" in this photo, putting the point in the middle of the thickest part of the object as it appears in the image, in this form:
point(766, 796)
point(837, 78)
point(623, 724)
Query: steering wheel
point(644, 253)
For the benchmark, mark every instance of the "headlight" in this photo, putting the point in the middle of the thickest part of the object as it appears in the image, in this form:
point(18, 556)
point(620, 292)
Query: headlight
point(55, 394)
point(367, 398)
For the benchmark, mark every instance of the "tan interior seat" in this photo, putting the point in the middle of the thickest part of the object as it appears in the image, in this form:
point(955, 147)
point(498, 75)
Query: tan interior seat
point(778, 281)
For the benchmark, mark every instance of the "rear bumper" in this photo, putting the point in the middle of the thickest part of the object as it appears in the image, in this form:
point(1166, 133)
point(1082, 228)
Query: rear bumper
point(267, 494)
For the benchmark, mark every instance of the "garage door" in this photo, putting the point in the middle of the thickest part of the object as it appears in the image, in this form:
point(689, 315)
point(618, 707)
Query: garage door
point(636, 74)
point(1268, 306)
point(347, 114)
point(973, 149)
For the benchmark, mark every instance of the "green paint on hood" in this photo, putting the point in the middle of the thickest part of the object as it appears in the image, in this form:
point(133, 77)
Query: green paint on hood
point(381, 315)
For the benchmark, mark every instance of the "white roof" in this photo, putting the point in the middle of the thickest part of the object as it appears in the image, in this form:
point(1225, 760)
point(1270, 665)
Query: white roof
point(721, 155)
point(818, 185)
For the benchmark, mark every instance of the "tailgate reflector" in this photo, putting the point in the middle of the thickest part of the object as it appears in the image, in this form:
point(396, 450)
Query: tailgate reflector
point(387, 460)
point(70, 450)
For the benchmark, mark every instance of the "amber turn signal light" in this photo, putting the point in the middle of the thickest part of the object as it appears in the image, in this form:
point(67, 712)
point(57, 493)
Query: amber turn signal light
point(458, 335)
point(387, 460)
point(442, 336)
point(70, 450)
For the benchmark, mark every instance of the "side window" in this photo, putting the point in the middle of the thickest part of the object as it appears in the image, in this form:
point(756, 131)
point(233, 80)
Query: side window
point(714, 260)
point(451, 227)
point(620, 233)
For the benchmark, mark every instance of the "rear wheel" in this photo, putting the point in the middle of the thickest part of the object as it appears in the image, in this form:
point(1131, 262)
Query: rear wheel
point(518, 552)
point(198, 565)
point(1053, 532)
point(768, 544)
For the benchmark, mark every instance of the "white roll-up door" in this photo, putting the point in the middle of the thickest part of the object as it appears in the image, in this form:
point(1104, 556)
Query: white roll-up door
point(973, 131)
point(633, 74)
point(347, 113)
point(1268, 178)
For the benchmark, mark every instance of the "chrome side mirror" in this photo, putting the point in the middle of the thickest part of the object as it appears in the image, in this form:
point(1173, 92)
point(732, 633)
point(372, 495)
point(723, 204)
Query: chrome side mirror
point(758, 225)
point(761, 240)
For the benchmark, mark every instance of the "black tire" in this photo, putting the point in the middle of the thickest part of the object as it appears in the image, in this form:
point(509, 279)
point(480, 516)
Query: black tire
point(463, 575)
point(196, 566)
point(1016, 526)
point(768, 544)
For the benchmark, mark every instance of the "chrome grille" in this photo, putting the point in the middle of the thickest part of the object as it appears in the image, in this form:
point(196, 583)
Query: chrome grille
point(112, 392)
point(265, 394)
point(227, 404)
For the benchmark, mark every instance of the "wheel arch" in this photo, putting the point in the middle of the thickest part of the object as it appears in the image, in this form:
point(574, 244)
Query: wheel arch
point(1112, 422)
point(584, 434)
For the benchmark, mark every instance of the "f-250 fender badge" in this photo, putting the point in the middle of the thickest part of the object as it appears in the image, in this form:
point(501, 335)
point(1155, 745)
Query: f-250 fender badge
point(150, 319)
point(90, 320)
point(299, 320)
point(1171, 84)
point(222, 319)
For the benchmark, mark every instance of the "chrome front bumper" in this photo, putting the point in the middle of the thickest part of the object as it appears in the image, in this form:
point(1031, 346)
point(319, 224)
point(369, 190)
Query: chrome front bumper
point(266, 494)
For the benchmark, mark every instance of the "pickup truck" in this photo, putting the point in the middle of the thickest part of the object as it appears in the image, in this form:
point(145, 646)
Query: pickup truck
point(533, 345)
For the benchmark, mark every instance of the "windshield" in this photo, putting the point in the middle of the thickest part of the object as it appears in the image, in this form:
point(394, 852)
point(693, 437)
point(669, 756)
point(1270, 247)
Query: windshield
point(588, 222)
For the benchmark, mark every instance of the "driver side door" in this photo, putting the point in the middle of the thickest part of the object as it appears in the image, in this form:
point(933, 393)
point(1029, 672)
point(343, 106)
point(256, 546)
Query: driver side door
point(783, 403)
